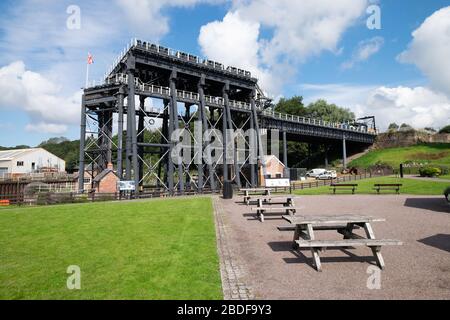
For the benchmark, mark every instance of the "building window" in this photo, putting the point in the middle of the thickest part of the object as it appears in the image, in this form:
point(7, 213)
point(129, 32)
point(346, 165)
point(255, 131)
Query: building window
point(20, 163)
point(87, 180)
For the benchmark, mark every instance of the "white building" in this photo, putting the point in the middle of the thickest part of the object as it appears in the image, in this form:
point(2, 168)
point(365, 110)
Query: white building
point(26, 161)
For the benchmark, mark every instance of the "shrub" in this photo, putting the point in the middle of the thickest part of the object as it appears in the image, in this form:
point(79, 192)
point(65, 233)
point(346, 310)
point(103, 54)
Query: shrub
point(430, 172)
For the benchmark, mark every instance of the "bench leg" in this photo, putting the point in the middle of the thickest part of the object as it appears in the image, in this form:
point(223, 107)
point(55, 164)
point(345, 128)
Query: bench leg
point(348, 231)
point(314, 251)
point(376, 250)
point(297, 233)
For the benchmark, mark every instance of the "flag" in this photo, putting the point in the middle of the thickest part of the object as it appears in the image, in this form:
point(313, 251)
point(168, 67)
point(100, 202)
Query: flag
point(90, 59)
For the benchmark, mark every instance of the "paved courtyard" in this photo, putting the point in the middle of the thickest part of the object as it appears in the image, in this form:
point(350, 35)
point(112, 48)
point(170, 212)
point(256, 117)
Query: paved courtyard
point(267, 268)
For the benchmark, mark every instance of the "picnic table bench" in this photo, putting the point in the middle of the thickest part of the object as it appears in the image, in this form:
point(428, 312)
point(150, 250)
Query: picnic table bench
point(388, 186)
point(304, 237)
point(347, 186)
point(286, 206)
point(248, 193)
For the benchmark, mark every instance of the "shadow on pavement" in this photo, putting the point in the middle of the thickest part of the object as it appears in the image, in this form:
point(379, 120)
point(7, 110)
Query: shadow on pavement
point(432, 204)
point(440, 241)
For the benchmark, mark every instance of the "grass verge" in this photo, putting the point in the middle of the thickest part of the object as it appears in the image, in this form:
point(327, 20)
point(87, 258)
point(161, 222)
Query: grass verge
point(163, 249)
point(410, 186)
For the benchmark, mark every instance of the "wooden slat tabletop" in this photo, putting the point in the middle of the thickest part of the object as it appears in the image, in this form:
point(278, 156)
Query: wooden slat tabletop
point(299, 219)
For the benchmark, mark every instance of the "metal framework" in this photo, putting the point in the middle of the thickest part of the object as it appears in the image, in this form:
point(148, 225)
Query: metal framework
point(122, 123)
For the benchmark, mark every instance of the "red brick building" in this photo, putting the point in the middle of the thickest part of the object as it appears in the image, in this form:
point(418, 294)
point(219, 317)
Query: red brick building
point(106, 181)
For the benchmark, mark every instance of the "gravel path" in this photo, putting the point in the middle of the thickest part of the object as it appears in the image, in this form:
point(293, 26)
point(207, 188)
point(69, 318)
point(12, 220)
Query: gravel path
point(420, 269)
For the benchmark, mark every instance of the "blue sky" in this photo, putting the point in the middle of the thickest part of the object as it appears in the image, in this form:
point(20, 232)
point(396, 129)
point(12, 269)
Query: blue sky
point(318, 49)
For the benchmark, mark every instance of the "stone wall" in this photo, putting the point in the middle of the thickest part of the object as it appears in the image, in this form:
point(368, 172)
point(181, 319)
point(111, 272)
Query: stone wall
point(407, 139)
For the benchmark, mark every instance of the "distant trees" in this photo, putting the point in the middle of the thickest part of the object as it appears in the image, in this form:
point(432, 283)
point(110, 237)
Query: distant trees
point(64, 149)
point(393, 127)
point(446, 129)
point(319, 109)
point(298, 153)
point(406, 127)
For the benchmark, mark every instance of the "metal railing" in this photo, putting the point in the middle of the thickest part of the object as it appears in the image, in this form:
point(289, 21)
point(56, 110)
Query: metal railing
point(123, 79)
point(311, 121)
point(188, 95)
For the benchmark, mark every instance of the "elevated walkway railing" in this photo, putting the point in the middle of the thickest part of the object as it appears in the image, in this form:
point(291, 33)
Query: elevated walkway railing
point(193, 96)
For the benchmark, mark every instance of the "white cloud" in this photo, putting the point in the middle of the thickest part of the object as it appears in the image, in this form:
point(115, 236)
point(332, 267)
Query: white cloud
point(364, 51)
point(299, 30)
point(419, 106)
point(46, 127)
point(430, 49)
point(21, 89)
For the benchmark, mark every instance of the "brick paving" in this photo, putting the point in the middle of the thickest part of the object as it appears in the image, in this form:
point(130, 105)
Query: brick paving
point(234, 276)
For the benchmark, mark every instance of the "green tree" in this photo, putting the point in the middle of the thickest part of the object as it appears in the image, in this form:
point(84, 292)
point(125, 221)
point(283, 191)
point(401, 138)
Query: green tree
point(293, 106)
point(393, 127)
point(406, 127)
point(329, 112)
point(446, 129)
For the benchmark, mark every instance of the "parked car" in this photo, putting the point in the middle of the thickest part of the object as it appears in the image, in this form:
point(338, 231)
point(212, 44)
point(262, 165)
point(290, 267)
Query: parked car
point(315, 172)
point(327, 175)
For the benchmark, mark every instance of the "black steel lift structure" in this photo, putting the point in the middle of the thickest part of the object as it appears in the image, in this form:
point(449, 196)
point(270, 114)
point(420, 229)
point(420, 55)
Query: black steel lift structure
point(116, 121)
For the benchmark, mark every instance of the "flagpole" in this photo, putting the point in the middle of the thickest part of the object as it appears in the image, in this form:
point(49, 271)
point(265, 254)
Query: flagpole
point(87, 75)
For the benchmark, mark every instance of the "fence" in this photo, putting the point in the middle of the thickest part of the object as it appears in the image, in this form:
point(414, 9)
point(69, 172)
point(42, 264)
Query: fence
point(324, 183)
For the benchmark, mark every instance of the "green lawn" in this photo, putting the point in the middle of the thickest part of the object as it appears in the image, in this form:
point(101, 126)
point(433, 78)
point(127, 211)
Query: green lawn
point(430, 153)
point(446, 177)
point(410, 186)
point(162, 249)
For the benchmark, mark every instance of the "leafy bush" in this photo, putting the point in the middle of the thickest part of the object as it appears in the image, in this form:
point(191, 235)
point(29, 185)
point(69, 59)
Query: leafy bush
point(430, 172)
point(444, 170)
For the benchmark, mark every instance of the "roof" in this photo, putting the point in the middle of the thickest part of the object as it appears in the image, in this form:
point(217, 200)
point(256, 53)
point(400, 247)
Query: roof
point(13, 154)
point(103, 174)
point(269, 158)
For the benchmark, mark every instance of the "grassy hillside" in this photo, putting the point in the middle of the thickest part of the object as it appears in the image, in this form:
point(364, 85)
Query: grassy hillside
point(426, 153)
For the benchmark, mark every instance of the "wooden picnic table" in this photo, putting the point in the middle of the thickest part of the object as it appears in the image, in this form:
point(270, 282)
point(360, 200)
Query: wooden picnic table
point(248, 193)
point(304, 236)
point(285, 206)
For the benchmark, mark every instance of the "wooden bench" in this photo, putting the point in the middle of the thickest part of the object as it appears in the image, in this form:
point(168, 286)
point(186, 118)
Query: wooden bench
point(388, 186)
point(304, 237)
point(4, 203)
point(318, 227)
point(351, 187)
point(284, 201)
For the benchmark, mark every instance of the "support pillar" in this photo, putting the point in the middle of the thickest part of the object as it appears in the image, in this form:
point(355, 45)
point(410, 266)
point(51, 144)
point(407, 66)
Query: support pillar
point(82, 145)
point(173, 115)
point(260, 151)
point(140, 139)
point(131, 117)
point(202, 107)
point(253, 167)
point(344, 152)
point(285, 155)
point(120, 134)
